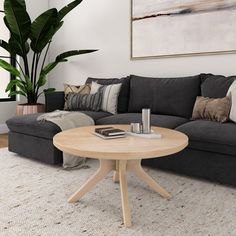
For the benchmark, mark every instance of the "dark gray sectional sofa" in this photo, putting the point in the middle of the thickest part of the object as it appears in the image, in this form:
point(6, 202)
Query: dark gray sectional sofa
point(211, 153)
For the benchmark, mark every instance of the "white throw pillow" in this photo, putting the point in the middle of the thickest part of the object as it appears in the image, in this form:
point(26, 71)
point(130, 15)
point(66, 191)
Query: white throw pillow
point(110, 94)
point(232, 92)
point(94, 87)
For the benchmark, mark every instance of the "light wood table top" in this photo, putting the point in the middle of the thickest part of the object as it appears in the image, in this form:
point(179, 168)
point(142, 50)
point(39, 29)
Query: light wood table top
point(82, 142)
point(119, 155)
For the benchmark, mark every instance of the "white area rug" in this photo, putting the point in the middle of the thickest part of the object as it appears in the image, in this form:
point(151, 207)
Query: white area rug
point(33, 201)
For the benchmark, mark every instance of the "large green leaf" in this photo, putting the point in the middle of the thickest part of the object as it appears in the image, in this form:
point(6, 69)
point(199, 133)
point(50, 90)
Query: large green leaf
point(51, 66)
point(14, 44)
point(14, 93)
point(61, 58)
point(56, 27)
point(42, 29)
point(19, 83)
point(18, 20)
point(73, 53)
point(16, 47)
point(7, 25)
point(22, 2)
point(28, 84)
point(49, 90)
point(8, 67)
point(47, 37)
point(42, 80)
point(10, 85)
point(65, 10)
point(5, 45)
point(43, 75)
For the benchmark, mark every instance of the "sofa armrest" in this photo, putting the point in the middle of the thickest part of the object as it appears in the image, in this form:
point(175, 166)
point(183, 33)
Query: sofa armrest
point(54, 101)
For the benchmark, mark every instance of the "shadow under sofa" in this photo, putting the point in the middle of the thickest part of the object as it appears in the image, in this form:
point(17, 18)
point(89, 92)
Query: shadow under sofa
point(211, 153)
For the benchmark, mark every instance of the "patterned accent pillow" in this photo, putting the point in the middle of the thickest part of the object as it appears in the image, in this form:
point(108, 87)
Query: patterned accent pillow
point(82, 89)
point(110, 94)
point(84, 102)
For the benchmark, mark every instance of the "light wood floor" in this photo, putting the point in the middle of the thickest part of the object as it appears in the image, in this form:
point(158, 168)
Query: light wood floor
point(3, 140)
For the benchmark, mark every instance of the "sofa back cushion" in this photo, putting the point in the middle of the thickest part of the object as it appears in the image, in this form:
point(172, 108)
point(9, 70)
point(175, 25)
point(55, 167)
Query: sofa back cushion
point(168, 96)
point(215, 86)
point(54, 101)
point(123, 98)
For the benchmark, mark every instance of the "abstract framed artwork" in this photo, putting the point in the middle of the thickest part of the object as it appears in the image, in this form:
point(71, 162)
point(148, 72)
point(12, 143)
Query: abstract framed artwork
point(169, 28)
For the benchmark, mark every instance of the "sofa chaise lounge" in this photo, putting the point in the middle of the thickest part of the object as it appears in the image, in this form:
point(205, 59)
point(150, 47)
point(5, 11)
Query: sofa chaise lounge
point(211, 153)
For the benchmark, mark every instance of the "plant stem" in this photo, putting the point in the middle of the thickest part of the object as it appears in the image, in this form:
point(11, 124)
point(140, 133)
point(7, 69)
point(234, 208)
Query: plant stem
point(25, 59)
point(42, 66)
point(35, 74)
point(45, 56)
point(26, 65)
point(32, 69)
point(19, 66)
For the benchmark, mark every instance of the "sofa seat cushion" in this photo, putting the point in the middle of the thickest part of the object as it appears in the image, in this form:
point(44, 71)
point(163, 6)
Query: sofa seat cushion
point(156, 120)
point(96, 115)
point(28, 124)
point(211, 136)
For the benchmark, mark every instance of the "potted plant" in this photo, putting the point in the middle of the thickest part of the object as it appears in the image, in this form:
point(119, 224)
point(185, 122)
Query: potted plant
point(30, 41)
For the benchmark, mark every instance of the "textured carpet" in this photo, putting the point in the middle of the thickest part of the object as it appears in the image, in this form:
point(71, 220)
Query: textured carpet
point(33, 201)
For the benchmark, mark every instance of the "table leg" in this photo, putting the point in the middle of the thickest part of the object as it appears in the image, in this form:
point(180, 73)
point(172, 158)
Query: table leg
point(121, 167)
point(106, 166)
point(136, 168)
point(116, 173)
point(124, 193)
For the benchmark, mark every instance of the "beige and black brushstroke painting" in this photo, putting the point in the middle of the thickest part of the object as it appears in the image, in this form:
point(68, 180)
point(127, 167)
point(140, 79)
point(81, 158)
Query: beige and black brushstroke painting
point(182, 27)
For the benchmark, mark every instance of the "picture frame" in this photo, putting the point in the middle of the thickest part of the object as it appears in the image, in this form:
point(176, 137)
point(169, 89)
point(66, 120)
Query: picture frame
point(138, 50)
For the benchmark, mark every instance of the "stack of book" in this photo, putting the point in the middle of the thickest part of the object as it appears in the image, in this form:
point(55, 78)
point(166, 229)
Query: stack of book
point(109, 133)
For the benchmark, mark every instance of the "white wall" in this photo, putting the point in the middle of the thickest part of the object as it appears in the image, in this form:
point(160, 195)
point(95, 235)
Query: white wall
point(7, 109)
point(105, 24)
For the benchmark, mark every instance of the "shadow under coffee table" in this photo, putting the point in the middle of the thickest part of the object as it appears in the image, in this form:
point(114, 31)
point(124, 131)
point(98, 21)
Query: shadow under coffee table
point(119, 155)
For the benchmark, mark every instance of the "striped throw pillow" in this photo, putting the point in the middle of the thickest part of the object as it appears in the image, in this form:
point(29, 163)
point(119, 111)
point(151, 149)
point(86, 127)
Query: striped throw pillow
point(82, 89)
point(84, 102)
point(110, 94)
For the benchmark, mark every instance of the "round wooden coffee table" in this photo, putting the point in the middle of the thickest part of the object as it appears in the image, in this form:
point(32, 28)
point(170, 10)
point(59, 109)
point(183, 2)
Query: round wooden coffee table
point(120, 155)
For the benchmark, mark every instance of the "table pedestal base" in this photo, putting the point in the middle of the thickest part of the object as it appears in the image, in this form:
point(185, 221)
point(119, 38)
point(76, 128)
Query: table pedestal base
point(120, 167)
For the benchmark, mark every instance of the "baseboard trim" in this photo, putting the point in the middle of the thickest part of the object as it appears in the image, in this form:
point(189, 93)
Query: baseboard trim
point(3, 129)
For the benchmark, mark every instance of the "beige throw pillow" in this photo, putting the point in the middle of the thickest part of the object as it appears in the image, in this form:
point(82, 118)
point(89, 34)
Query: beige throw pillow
point(215, 109)
point(82, 89)
point(232, 94)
